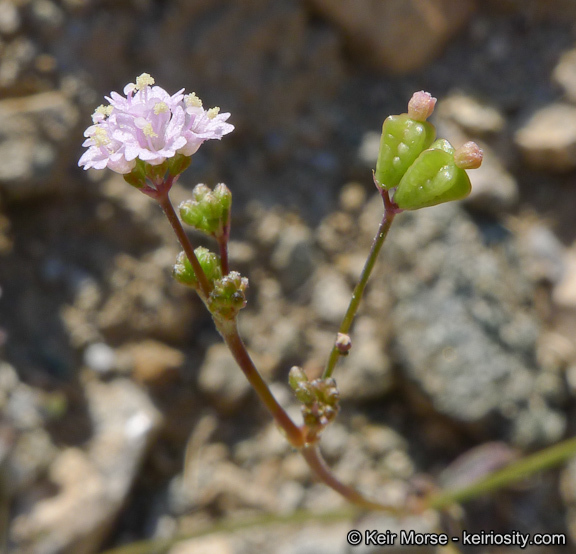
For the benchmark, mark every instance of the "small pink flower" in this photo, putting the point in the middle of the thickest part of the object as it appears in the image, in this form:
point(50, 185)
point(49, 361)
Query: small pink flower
point(150, 125)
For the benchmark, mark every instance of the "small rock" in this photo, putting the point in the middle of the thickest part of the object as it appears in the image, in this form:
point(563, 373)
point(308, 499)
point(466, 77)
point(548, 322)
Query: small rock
point(375, 29)
point(565, 74)
point(9, 17)
point(548, 140)
point(100, 357)
point(564, 293)
point(204, 545)
point(470, 114)
point(352, 197)
point(494, 190)
point(369, 148)
point(331, 296)
point(152, 361)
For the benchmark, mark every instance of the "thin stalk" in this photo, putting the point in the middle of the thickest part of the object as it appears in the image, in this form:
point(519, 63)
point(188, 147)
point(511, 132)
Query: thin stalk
point(377, 243)
point(164, 202)
point(229, 331)
point(300, 517)
point(520, 469)
point(314, 459)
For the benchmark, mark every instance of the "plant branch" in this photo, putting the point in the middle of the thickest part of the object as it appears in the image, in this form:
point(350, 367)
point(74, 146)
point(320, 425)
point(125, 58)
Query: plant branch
point(229, 331)
point(312, 455)
point(387, 219)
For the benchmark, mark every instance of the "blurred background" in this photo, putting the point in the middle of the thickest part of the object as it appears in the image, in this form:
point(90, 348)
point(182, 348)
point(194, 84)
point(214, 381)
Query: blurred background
point(123, 418)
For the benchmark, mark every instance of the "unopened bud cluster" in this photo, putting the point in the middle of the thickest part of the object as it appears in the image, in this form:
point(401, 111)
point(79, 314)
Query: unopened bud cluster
point(319, 398)
point(228, 296)
point(208, 210)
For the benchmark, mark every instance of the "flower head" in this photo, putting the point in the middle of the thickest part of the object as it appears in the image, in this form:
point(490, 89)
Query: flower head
point(149, 125)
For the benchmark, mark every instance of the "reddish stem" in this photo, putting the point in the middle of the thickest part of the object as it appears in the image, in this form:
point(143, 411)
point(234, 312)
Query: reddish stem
point(164, 201)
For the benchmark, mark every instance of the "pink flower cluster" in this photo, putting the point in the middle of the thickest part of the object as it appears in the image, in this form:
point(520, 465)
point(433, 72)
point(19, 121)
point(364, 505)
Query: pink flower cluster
point(150, 125)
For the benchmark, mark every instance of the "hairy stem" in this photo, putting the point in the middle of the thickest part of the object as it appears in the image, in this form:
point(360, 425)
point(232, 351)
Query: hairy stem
point(377, 243)
point(229, 331)
point(164, 201)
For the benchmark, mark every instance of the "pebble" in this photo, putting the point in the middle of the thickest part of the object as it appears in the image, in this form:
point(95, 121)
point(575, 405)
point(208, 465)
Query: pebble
point(470, 114)
point(564, 293)
point(100, 357)
point(548, 139)
point(565, 74)
point(331, 296)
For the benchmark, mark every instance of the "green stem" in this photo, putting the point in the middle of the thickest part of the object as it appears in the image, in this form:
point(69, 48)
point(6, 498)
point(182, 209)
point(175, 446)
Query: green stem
point(300, 518)
point(229, 331)
point(377, 243)
point(312, 455)
point(520, 469)
point(164, 201)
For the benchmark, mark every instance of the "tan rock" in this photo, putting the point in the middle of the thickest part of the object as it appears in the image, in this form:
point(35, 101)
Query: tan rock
point(398, 35)
point(548, 140)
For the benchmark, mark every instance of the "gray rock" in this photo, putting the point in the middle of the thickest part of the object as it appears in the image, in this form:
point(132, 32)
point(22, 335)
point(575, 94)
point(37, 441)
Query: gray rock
point(466, 325)
point(92, 483)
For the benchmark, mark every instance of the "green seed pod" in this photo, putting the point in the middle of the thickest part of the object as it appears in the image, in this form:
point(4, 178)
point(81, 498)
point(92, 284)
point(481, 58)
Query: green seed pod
point(402, 141)
point(432, 179)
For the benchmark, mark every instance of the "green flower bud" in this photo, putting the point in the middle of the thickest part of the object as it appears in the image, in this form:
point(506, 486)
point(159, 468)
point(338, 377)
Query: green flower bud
point(228, 296)
point(432, 179)
point(301, 386)
point(208, 211)
point(297, 377)
point(402, 141)
point(210, 263)
point(224, 197)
